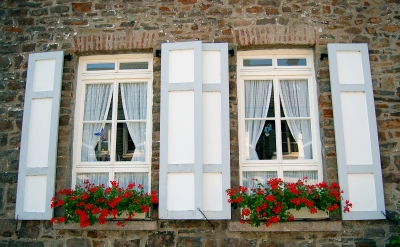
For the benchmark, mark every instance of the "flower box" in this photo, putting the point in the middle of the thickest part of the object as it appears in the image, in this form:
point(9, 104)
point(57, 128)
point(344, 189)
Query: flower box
point(124, 215)
point(279, 202)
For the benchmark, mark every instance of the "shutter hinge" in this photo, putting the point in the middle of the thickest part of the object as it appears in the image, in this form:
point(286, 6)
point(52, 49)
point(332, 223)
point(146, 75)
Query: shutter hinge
point(213, 227)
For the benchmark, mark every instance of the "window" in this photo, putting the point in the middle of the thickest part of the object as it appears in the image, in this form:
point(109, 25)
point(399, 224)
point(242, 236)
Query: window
point(112, 131)
point(278, 116)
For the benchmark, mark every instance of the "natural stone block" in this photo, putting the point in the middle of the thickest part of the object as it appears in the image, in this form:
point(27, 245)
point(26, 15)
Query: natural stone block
point(17, 243)
point(29, 229)
point(5, 62)
point(82, 7)
point(165, 239)
point(126, 243)
point(59, 9)
point(39, 12)
point(7, 227)
point(238, 242)
point(189, 242)
point(81, 242)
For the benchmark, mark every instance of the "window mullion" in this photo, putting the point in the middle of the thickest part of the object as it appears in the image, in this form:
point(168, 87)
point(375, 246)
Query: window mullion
point(114, 121)
point(278, 120)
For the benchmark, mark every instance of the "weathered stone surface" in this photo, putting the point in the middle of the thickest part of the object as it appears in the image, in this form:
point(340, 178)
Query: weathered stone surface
point(238, 242)
point(127, 243)
point(189, 242)
point(82, 242)
point(29, 229)
point(161, 239)
point(7, 227)
point(82, 7)
point(19, 243)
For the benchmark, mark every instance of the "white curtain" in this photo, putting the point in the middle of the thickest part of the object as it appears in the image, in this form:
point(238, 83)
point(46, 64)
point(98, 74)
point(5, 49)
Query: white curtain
point(294, 176)
point(124, 178)
point(134, 102)
point(97, 103)
point(261, 176)
point(94, 178)
point(295, 103)
point(257, 98)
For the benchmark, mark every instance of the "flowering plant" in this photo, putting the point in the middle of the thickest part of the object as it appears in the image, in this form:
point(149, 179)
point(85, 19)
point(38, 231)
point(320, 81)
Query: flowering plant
point(90, 204)
point(272, 202)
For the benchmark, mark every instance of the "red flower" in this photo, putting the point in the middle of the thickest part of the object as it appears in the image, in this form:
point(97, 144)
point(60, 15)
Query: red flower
point(52, 221)
point(61, 219)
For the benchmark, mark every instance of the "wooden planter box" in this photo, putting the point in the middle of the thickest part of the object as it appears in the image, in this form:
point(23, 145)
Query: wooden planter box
point(124, 215)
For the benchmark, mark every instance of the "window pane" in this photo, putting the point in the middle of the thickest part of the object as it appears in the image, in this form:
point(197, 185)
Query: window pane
point(292, 62)
point(257, 98)
point(257, 62)
point(100, 66)
point(98, 98)
point(294, 98)
point(261, 176)
point(260, 138)
point(124, 178)
point(96, 144)
point(134, 65)
point(131, 138)
point(296, 139)
point(294, 176)
point(94, 178)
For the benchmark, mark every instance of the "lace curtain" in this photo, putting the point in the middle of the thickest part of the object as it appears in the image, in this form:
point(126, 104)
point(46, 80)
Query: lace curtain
point(134, 102)
point(257, 99)
point(295, 103)
point(97, 103)
point(124, 178)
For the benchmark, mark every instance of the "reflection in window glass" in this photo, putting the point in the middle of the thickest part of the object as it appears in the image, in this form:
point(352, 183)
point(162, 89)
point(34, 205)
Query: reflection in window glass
point(134, 65)
point(100, 66)
point(257, 62)
point(292, 62)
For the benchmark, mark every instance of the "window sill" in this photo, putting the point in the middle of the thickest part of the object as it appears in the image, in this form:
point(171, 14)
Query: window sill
point(295, 226)
point(112, 225)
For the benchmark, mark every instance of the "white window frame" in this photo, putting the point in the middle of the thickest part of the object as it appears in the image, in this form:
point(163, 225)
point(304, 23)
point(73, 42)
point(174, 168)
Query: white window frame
point(274, 73)
point(115, 76)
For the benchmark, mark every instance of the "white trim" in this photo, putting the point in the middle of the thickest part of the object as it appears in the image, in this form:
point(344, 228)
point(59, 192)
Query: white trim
point(277, 73)
point(114, 77)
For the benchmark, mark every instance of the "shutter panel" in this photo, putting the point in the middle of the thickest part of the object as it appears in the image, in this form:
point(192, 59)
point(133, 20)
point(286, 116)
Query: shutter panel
point(38, 154)
point(356, 135)
point(194, 133)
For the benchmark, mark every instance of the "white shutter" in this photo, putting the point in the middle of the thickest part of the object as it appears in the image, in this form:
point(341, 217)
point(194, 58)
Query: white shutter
point(194, 140)
point(38, 154)
point(356, 135)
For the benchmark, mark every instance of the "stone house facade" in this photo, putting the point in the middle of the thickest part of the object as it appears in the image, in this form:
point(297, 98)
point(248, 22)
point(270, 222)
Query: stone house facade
point(98, 27)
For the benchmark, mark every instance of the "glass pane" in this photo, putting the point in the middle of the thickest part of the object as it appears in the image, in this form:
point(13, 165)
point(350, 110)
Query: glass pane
point(132, 101)
point(294, 176)
point(134, 65)
point(100, 66)
point(98, 98)
point(257, 62)
point(131, 138)
point(294, 98)
point(261, 176)
point(96, 142)
point(124, 178)
point(260, 138)
point(257, 98)
point(296, 139)
point(94, 178)
point(292, 62)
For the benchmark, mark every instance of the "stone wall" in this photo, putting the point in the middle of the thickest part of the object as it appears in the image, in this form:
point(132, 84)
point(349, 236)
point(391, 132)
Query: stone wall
point(129, 26)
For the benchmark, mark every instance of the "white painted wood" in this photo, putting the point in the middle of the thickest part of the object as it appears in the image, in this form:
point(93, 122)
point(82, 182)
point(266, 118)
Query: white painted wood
point(39, 138)
point(181, 191)
point(209, 127)
point(350, 67)
point(359, 168)
point(39, 130)
point(355, 125)
point(44, 75)
point(181, 127)
point(34, 200)
point(181, 65)
point(212, 128)
point(212, 196)
point(362, 192)
point(211, 67)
